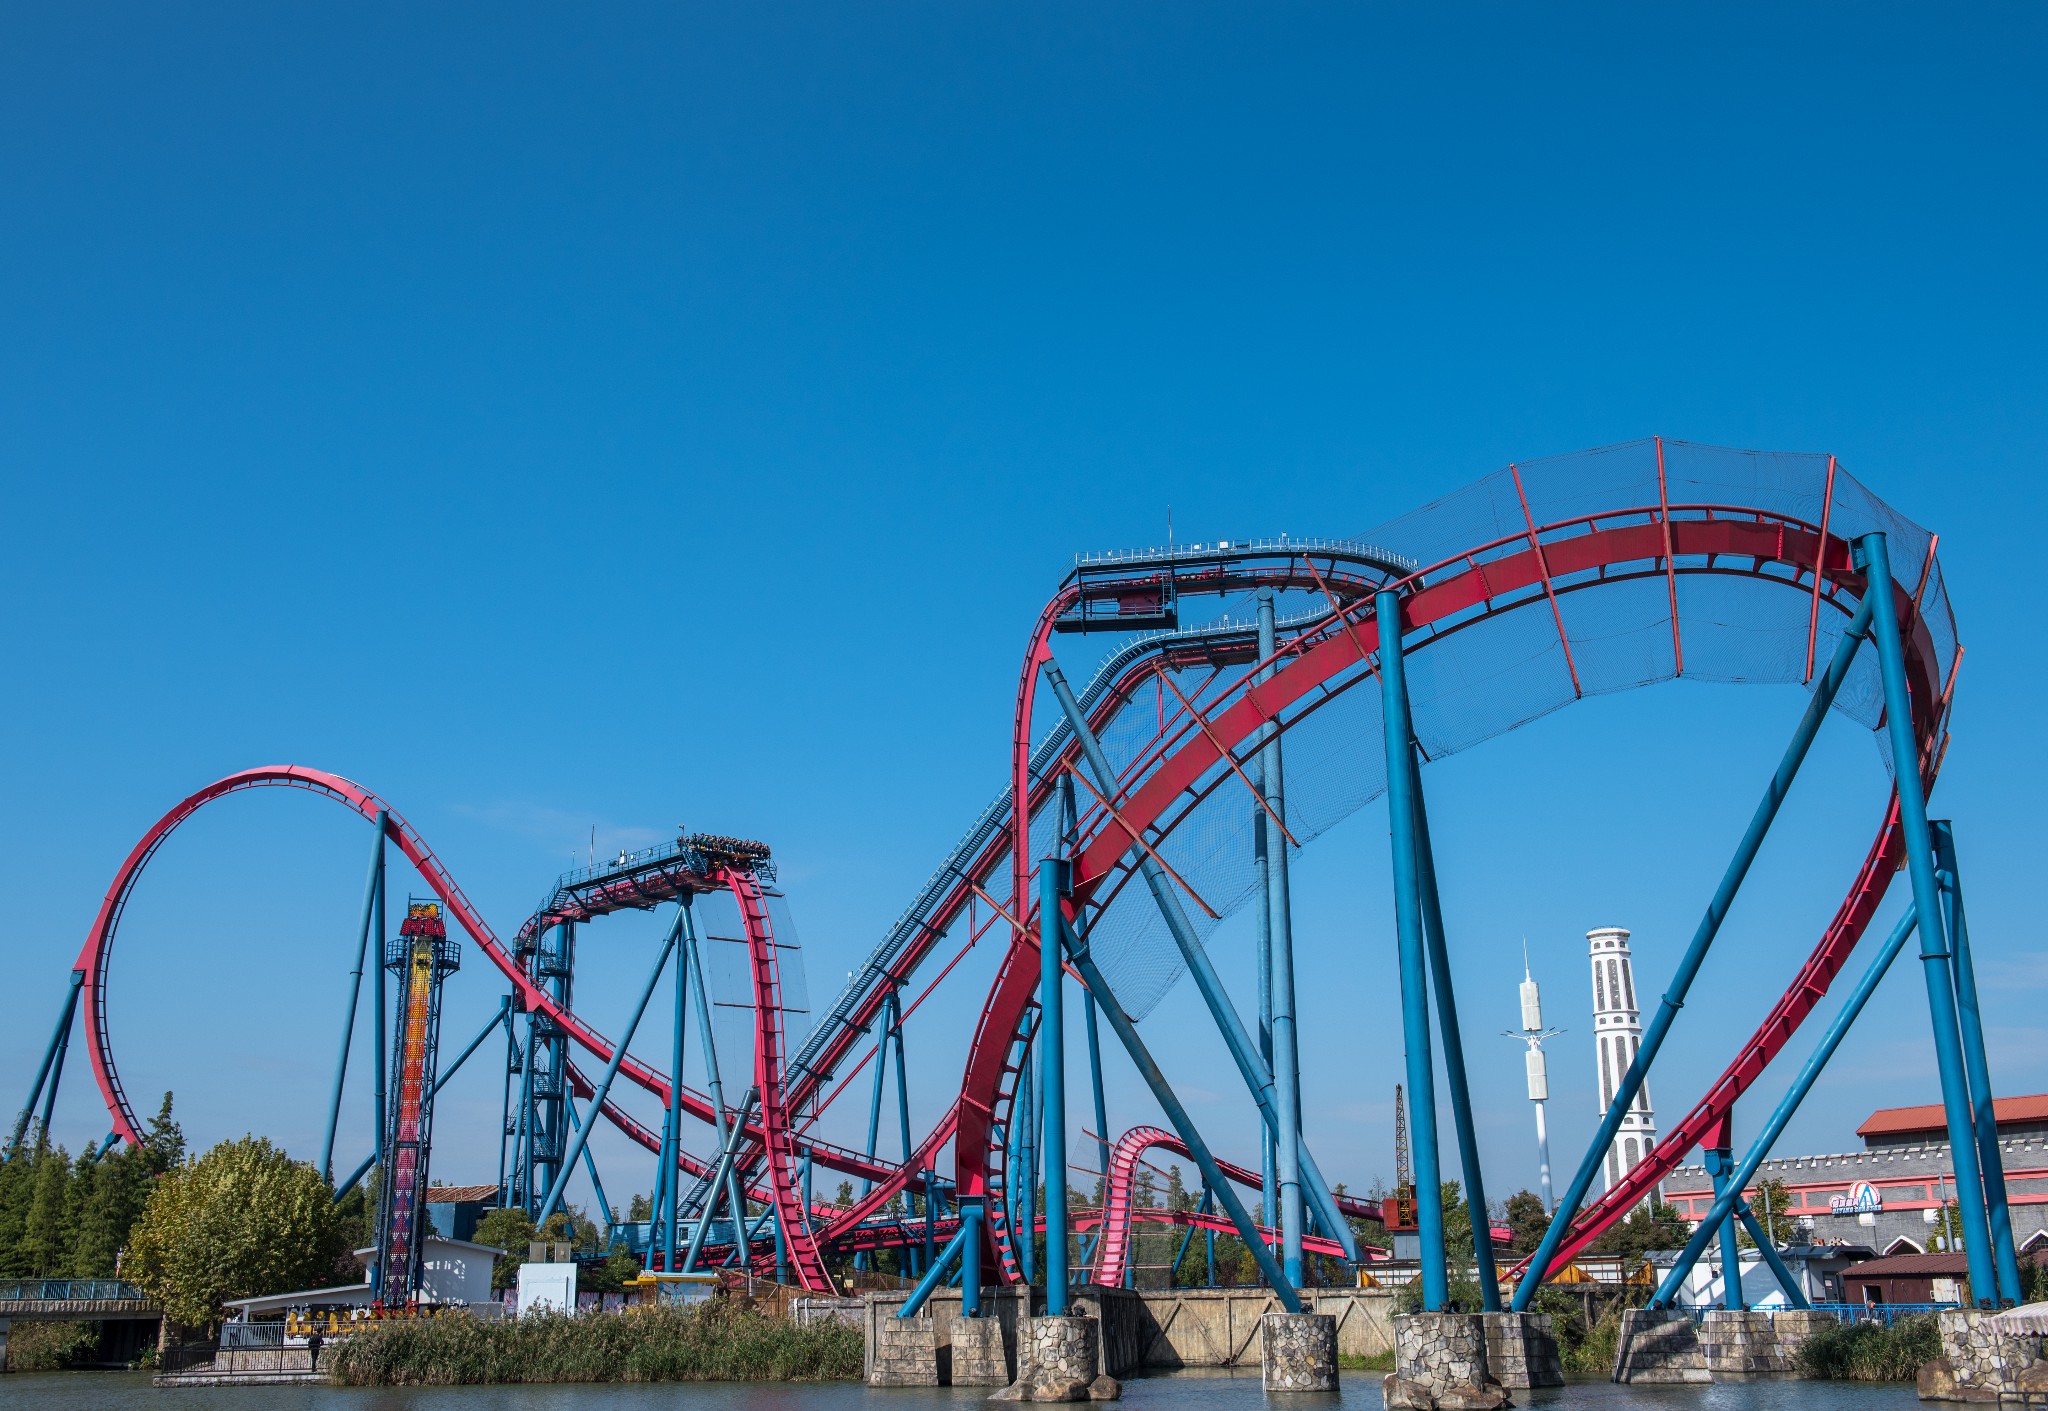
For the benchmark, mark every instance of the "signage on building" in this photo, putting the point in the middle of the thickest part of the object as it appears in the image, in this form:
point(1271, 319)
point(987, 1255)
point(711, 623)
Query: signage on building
point(1862, 1199)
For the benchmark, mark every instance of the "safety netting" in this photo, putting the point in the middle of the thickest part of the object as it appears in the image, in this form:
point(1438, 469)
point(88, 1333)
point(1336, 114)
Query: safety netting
point(1598, 631)
point(1469, 680)
point(729, 983)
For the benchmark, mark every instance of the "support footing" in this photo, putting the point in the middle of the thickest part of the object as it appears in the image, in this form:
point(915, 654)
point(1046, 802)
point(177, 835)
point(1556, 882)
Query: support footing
point(1056, 1361)
point(1441, 1364)
point(1298, 1352)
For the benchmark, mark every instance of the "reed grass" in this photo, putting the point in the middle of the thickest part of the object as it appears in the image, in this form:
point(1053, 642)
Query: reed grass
point(1871, 1352)
point(711, 1342)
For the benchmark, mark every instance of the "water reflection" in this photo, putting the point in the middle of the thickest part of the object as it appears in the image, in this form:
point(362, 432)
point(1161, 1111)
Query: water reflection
point(1184, 1391)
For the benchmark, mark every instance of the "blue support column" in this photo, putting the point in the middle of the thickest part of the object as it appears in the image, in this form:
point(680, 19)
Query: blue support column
point(504, 1017)
point(53, 1063)
point(1852, 1006)
point(1024, 1181)
point(1984, 1119)
point(1177, 1117)
point(1421, 1067)
point(1720, 1163)
point(665, 1215)
point(380, 1056)
point(1414, 973)
point(604, 1207)
point(1095, 1085)
point(1286, 1053)
point(883, 1023)
point(1695, 955)
point(1794, 1295)
point(1454, 1053)
point(355, 992)
point(966, 1247)
point(611, 1071)
point(722, 1180)
point(729, 1124)
point(1934, 951)
point(1052, 1067)
point(507, 1123)
point(903, 1125)
point(1256, 1073)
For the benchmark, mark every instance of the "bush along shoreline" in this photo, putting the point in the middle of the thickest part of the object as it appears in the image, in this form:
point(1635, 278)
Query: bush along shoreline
point(711, 1342)
point(1871, 1352)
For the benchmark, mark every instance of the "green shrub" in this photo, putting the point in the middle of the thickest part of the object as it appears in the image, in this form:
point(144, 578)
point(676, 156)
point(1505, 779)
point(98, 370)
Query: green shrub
point(712, 1342)
point(1871, 1352)
point(50, 1347)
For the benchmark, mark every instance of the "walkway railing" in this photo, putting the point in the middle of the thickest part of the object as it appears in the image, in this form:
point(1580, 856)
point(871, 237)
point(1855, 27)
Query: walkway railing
point(70, 1291)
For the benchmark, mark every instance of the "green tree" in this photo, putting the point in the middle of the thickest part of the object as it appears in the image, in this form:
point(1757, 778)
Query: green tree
point(165, 1142)
point(1177, 1197)
point(640, 1207)
point(1526, 1217)
point(17, 1192)
point(843, 1197)
point(510, 1230)
point(241, 1221)
point(1767, 1202)
point(1651, 1225)
point(46, 1234)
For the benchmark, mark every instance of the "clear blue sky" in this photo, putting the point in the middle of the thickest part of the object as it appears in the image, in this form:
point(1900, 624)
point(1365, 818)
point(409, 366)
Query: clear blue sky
point(639, 416)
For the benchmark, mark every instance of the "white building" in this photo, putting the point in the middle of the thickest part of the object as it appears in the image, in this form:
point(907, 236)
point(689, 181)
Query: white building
point(1617, 1035)
point(455, 1272)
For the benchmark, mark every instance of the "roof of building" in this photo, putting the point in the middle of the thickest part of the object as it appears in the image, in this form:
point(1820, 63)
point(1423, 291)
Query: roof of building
point(1897, 1121)
point(1912, 1266)
point(461, 1195)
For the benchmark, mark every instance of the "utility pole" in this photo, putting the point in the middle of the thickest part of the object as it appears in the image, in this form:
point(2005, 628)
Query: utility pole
point(1533, 1034)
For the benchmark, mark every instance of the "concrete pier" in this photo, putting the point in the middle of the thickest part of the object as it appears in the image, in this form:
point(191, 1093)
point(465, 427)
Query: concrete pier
point(1298, 1352)
point(1659, 1346)
point(903, 1352)
point(1441, 1364)
point(978, 1356)
point(1982, 1361)
point(1056, 1360)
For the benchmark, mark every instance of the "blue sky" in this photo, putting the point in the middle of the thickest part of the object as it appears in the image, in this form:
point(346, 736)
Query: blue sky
point(570, 420)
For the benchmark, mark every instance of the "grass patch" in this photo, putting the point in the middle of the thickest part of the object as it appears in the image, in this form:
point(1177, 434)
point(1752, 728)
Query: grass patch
point(712, 1342)
point(1378, 1362)
point(1871, 1352)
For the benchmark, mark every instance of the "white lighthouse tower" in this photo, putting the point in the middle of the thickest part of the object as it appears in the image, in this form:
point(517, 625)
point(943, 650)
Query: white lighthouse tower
point(1617, 1034)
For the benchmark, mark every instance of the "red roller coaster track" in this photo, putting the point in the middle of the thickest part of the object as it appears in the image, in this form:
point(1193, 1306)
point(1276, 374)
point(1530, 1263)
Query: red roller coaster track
point(1190, 757)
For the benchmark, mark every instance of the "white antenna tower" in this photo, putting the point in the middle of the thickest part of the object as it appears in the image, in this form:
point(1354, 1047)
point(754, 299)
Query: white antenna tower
point(1533, 1034)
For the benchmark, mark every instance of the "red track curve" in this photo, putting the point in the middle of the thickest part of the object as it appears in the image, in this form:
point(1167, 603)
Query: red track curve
point(1465, 589)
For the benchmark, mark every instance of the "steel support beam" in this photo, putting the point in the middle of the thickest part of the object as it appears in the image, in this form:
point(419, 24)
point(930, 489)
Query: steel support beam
point(1985, 1120)
point(355, 994)
point(1935, 957)
point(1052, 1067)
point(1258, 1077)
point(379, 1004)
point(669, 1186)
point(1773, 1128)
point(53, 1059)
point(964, 1246)
point(1454, 1052)
point(1279, 931)
point(1794, 1295)
point(604, 1087)
point(503, 1016)
point(1817, 705)
point(1183, 1125)
point(1421, 1067)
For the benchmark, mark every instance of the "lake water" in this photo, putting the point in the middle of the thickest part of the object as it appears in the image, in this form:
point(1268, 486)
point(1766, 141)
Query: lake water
point(1181, 1391)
